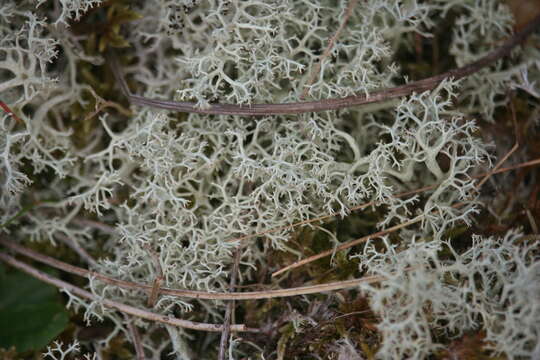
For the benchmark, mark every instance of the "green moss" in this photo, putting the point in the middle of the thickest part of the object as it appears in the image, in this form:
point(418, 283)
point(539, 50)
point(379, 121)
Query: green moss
point(103, 25)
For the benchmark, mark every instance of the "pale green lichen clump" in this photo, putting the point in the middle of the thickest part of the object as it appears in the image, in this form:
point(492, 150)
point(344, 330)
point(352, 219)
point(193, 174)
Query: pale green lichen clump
point(185, 185)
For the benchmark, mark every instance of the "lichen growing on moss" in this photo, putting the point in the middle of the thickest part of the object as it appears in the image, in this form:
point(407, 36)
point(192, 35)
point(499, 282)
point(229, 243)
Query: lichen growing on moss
point(125, 184)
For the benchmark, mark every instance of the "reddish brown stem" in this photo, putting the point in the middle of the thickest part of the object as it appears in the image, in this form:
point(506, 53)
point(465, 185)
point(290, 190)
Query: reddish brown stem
point(6, 108)
point(327, 104)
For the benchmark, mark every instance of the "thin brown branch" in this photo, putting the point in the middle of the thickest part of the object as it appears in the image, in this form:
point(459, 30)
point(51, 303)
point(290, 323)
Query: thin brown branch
point(230, 307)
point(497, 167)
point(355, 242)
point(83, 254)
point(102, 104)
point(251, 295)
point(136, 339)
point(328, 104)
point(157, 280)
point(347, 245)
point(532, 222)
point(10, 112)
point(389, 230)
point(328, 50)
point(508, 154)
point(518, 166)
point(375, 203)
point(126, 309)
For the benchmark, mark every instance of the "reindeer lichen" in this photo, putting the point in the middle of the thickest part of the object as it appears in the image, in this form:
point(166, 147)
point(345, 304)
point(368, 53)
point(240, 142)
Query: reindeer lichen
point(128, 184)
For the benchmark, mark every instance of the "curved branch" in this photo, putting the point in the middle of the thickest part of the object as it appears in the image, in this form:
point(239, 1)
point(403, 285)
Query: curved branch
point(304, 290)
point(328, 104)
point(127, 309)
point(347, 245)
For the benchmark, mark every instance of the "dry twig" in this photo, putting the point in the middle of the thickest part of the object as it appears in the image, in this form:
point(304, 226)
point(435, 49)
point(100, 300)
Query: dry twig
point(74, 245)
point(389, 230)
point(157, 280)
point(505, 157)
point(347, 245)
point(136, 338)
point(10, 112)
point(230, 307)
point(328, 50)
point(250, 295)
point(126, 309)
point(327, 104)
